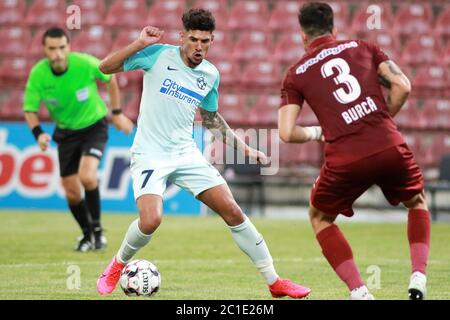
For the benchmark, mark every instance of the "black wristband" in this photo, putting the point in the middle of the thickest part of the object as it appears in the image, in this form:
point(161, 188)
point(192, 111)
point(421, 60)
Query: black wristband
point(116, 112)
point(37, 131)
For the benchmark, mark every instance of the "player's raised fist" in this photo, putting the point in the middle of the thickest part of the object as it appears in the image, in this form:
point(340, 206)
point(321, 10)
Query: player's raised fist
point(150, 35)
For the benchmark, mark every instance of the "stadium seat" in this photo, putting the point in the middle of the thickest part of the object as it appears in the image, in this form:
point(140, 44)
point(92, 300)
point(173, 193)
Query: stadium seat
point(12, 108)
point(289, 49)
point(413, 19)
point(431, 81)
point(284, 17)
point(172, 37)
point(261, 76)
point(46, 13)
point(229, 74)
point(361, 23)
point(421, 49)
point(265, 112)
point(12, 12)
point(36, 50)
point(343, 35)
point(127, 14)
point(124, 38)
point(410, 116)
point(251, 46)
point(221, 48)
point(437, 113)
point(388, 42)
point(218, 8)
point(414, 142)
point(94, 40)
point(341, 15)
point(437, 145)
point(15, 40)
point(289, 154)
point(233, 108)
point(446, 60)
point(248, 15)
point(166, 14)
point(14, 72)
point(301, 154)
point(442, 28)
point(92, 11)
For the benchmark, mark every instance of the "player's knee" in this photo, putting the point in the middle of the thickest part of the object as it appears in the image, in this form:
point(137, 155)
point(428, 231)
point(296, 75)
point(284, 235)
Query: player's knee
point(234, 215)
point(419, 201)
point(150, 222)
point(73, 196)
point(88, 180)
point(319, 220)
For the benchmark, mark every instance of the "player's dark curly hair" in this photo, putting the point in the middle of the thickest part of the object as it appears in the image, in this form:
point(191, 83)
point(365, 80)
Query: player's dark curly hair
point(55, 32)
point(199, 19)
point(316, 18)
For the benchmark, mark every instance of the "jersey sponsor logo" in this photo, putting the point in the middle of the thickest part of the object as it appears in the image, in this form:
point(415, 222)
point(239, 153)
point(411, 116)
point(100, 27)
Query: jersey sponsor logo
point(201, 83)
point(324, 54)
point(359, 111)
point(171, 69)
point(173, 89)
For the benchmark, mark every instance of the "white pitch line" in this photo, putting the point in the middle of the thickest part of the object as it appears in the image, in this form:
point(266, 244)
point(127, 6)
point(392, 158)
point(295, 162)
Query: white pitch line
point(211, 261)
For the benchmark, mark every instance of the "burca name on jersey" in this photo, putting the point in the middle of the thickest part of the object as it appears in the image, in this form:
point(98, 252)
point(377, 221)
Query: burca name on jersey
point(359, 111)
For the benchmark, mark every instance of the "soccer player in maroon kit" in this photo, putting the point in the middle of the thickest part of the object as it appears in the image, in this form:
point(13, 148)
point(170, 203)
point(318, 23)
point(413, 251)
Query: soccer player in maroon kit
point(341, 80)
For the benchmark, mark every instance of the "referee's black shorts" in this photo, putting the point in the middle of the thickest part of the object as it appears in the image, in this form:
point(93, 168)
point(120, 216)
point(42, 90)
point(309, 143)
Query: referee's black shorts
point(74, 144)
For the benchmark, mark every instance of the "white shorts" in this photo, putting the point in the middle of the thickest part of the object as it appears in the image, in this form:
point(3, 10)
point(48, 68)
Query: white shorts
point(190, 171)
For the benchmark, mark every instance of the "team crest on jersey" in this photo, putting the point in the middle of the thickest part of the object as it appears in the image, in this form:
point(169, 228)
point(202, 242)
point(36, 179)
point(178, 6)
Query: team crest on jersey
point(201, 83)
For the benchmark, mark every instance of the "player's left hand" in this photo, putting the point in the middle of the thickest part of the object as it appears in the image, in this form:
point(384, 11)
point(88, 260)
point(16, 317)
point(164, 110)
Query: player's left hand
point(259, 156)
point(122, 123)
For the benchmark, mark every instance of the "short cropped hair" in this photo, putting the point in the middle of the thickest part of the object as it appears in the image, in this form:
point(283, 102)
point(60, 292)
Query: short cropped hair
point(199, 19)
point(55, 32)
point(316, 19)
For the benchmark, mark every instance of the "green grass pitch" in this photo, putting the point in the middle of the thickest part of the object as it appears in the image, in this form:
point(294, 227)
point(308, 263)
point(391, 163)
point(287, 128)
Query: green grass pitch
point(199, 260)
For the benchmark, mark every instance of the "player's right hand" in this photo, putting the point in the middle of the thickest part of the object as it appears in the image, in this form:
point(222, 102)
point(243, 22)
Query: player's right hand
point(43, 141)
point(150, 35)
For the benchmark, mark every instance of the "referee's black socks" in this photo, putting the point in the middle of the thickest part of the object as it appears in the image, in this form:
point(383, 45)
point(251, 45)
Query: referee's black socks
point(93, 204)
point(81, 215)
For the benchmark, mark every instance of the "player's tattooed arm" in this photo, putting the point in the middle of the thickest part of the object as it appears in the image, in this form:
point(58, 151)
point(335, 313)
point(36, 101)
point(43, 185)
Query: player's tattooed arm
point(221, 130)
point(394, 70)
point(391, 77)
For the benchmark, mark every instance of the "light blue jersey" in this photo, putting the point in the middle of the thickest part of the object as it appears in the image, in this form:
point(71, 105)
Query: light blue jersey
point(172, 92)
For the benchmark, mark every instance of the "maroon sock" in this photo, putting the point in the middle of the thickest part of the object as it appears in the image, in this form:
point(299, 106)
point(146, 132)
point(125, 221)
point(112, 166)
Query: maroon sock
point(337, 251)
point(419, 238)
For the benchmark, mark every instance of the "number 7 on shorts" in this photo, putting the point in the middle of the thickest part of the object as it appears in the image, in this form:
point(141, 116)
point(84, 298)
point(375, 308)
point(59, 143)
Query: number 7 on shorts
point(148, 174)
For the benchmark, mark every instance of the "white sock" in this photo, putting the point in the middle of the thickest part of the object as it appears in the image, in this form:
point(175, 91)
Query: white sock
point(252, 243)
point(134, 240)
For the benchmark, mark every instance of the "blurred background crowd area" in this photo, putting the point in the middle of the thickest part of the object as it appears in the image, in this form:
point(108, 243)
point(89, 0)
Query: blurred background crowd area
point(255, 42)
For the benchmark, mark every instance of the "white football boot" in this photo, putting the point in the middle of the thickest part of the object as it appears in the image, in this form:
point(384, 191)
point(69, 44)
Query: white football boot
point(361, 293)
point(417, 286)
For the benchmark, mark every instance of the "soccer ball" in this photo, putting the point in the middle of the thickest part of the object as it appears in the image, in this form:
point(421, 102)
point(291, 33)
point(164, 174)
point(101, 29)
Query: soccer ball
point(140, 278)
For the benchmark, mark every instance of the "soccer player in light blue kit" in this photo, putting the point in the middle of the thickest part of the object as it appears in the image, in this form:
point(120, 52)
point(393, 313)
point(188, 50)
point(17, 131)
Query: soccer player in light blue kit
point(177, 81)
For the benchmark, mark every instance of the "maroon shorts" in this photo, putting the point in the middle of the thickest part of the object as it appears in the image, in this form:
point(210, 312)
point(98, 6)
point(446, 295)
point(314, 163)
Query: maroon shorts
point(394, 170)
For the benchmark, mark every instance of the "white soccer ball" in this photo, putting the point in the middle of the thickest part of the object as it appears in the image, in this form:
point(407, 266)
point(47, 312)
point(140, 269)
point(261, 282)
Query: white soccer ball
point(140, 278)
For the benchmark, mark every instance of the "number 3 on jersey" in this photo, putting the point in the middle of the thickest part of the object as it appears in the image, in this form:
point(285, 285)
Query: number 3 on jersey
point(343, 77)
